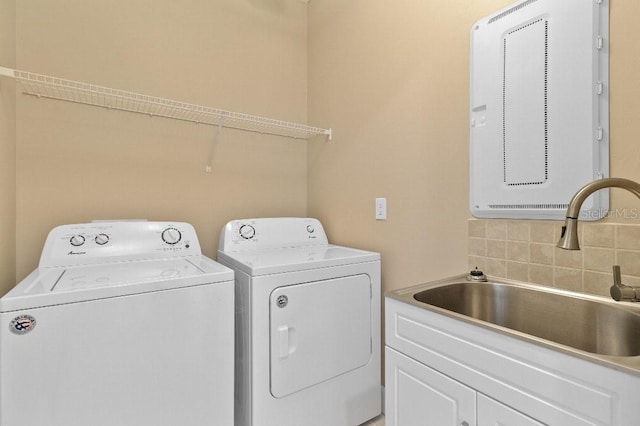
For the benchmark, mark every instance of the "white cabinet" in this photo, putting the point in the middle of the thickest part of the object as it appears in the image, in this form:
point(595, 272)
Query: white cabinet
point(492, 413)
point(418, 395)
point(442, 371)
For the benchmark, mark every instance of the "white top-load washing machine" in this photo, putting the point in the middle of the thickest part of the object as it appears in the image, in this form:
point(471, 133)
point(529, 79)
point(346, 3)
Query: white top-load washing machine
point(307, 325)
point(122, 324)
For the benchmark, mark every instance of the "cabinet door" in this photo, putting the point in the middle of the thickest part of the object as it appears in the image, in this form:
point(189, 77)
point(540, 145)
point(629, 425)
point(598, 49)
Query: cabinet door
point(417, 395)
point(492, 413)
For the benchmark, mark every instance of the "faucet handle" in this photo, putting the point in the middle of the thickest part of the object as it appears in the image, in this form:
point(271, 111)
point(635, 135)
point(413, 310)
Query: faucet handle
point(620, 291)
point(617, 279)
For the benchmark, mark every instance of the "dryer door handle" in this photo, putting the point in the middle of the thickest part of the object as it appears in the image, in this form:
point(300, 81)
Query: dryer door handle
point(285, 338)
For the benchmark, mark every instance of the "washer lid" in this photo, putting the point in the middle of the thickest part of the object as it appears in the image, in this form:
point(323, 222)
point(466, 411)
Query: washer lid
point(59, 285)
point(275, 261)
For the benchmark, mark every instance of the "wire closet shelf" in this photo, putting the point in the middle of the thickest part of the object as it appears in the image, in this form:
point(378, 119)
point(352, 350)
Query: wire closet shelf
point(44, 86)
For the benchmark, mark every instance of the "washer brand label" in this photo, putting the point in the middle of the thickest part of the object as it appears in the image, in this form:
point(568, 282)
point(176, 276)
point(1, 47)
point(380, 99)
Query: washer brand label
point(76, 252)
point(22, 324)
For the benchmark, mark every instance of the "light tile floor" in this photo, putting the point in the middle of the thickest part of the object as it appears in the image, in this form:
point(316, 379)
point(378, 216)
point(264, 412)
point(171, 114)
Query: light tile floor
point(378, 421)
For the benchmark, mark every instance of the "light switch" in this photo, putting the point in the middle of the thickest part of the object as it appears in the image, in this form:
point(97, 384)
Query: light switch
point(381, 209)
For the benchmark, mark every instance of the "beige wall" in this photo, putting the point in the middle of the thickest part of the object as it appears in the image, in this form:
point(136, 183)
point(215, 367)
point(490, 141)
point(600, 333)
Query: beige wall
point(7, 148)
point(393, 84)
point(77, 163)
point(392, 81)
point(624, 96)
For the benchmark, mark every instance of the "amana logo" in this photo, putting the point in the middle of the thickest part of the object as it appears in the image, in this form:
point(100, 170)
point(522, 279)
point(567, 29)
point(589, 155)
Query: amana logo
point(22, 324)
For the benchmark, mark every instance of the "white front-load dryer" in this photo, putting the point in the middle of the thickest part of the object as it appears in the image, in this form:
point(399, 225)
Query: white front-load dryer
point(307, 325)
point(122, 324)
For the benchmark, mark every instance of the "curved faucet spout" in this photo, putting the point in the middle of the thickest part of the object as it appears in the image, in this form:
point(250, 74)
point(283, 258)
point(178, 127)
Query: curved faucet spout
point(573, 211)
point(569, 237)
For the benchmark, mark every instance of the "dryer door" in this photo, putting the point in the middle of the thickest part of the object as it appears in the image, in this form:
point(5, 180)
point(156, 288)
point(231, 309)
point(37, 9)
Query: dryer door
point(319, 330)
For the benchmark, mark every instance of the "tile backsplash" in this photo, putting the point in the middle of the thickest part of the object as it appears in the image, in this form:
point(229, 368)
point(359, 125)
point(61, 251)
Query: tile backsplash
point(525, 250)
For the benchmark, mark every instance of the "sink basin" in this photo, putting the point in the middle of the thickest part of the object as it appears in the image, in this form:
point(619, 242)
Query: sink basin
point(581, 323)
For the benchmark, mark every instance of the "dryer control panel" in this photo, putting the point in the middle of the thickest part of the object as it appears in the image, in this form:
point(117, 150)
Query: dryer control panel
point(270, 233)
point(101, 242)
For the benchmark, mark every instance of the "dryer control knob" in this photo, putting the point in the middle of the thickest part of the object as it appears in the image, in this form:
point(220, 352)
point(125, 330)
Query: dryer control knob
point(171, 236)
point(102, 239)
point(247, 232)
point(76, 240)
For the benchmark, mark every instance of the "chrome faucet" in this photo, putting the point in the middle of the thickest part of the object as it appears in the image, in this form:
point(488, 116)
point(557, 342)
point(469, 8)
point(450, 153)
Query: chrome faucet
point(569, 236)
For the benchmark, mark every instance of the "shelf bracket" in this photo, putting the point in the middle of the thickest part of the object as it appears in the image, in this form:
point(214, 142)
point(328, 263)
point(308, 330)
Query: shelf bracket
point(208, 167)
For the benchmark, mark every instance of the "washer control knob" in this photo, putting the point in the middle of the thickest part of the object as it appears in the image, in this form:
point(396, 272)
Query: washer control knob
point(77, 240)
point(102, 239)
point(310, 229)
point(171, 236)
point(247, 232)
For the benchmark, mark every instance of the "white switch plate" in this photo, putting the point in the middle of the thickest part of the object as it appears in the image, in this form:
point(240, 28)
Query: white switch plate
point(381, 209)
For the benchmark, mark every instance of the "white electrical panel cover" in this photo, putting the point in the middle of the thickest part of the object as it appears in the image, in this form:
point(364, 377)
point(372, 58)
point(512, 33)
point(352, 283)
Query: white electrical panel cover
point(539, 109)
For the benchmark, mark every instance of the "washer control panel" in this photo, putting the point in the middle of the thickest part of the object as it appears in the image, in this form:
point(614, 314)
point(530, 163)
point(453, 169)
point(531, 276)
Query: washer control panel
point(101, 242)
point(269, 233)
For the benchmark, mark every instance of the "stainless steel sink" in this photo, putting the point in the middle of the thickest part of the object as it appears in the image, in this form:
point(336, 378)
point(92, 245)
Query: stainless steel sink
point(579, 323)
point(591, 327)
